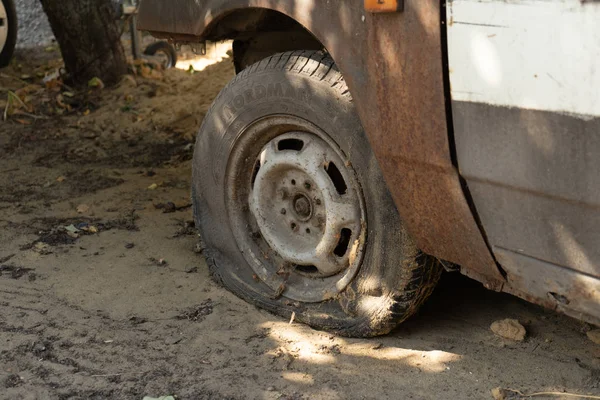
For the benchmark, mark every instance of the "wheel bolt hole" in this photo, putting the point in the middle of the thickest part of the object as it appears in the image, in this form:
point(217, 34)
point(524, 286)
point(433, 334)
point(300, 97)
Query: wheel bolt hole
point(294, 226)
point(344, 242)
point(283, 211)
point(307, 185)
point(293, 181)
point(308, 230)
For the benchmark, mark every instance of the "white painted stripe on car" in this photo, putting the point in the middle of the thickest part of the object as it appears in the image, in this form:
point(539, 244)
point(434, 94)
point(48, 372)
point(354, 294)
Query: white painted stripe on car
point(532, 54)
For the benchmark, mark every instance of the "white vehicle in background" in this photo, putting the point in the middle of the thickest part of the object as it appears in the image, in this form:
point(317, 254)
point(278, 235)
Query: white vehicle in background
point(8, 31)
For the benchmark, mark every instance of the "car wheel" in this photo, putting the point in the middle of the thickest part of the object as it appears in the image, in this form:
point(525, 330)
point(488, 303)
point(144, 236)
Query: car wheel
point(8, 31)
point(164, 52)
point(292, 205)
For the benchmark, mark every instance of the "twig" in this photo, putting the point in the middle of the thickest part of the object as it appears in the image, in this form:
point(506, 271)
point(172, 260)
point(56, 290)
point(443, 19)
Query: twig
point(577, 396)
point(100, 376)
point(32, 115)
point(13, 95)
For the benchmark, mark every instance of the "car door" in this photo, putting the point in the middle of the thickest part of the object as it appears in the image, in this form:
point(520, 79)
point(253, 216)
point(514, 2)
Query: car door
point(525, 87)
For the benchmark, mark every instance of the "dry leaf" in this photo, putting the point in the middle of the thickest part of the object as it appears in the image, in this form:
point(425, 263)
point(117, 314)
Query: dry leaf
point(96, 83)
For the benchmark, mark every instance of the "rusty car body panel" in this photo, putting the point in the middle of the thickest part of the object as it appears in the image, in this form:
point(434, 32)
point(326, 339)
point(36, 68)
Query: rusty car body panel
point(396, 66)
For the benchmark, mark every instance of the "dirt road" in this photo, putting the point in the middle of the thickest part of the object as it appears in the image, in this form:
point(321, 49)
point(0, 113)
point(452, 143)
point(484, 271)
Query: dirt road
point(104, 293)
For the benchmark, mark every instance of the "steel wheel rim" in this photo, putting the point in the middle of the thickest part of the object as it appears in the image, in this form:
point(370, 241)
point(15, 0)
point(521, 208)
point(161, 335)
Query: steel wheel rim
point(165, 58)
point(298, 264)
point(3, 26)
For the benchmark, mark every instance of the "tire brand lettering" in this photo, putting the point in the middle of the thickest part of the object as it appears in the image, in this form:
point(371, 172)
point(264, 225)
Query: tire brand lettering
point(260, 92)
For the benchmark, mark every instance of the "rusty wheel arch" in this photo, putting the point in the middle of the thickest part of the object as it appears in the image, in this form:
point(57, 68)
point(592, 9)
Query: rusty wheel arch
point(258, 33)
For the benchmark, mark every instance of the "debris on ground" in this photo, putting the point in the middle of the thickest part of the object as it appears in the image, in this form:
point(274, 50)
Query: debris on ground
point(166, 208)
point(13, 380)
point(186, 228)
point(198, 313)
point(510, 329)
point(159, 262)
point(72, 231)
point(13, 271)
point(135, 320)
point(54, 237)
point(125, 221)
point(170, 207)
point(499, 393)
point(68, 234)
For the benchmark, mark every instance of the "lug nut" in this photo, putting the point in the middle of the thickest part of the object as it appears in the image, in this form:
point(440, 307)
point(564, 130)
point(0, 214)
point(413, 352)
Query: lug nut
point(307, 185)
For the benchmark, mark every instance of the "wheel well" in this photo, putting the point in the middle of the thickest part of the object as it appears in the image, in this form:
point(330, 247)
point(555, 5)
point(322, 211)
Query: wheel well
point(258, 33)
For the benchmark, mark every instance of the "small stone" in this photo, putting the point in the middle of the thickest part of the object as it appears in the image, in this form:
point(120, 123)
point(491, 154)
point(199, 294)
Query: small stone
point(270, 389)
point(510, 329)
point(83, 208)
point(154, 186)
point(171, 340)
point(498, 393)
point(594, 335)
point(129, 245)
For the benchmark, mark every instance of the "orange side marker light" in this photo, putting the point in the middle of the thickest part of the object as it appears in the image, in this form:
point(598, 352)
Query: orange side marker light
point(384, 6)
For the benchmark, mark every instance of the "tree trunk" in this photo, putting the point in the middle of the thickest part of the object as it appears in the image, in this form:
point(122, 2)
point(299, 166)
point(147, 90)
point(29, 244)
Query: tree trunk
point(89, 38)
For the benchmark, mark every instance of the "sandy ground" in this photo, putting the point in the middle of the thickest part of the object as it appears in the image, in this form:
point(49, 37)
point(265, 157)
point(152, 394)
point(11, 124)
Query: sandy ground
point(124, 307)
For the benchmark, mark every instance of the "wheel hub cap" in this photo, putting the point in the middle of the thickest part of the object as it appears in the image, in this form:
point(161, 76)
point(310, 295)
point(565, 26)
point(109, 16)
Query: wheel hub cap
point(306, 204)
point(303, 207)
